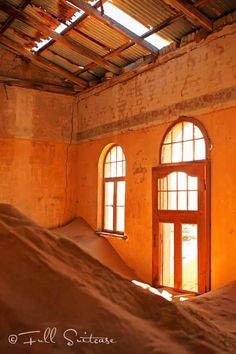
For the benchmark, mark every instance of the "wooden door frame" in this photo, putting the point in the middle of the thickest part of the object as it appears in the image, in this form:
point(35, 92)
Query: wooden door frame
point(204, 255)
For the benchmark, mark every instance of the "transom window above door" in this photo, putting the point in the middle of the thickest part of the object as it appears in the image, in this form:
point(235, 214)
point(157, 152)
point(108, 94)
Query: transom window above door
point(178, 191)
point(184, 142)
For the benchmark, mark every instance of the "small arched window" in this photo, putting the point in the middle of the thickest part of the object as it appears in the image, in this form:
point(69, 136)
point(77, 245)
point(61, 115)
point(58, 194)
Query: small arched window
point(114, 191)
point(183, 142)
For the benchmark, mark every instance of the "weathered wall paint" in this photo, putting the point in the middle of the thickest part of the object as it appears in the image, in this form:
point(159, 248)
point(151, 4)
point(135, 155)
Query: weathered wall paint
point(141, 149)
point(33, 179)
point(37, 161)
point(195, 82)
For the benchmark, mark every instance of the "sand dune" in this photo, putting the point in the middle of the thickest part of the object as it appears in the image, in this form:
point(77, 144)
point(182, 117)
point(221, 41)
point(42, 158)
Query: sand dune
point(98, 247)
point(49, 281)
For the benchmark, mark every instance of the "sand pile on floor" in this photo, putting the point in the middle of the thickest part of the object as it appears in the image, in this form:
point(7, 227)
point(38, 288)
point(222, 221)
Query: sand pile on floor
point(99, 248)
point(48, 281)
point(218, 307)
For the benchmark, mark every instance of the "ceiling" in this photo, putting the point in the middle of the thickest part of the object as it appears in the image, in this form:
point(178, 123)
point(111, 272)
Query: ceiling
point(93, 47)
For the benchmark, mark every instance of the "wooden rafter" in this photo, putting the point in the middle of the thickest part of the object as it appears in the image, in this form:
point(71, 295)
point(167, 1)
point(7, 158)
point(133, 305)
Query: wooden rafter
point(38, 85)
point(155, 29)
point(69, 28)
point(65, 40)
point(42, 62)
point(90, 10)
point(11, 18)
point(191, 12)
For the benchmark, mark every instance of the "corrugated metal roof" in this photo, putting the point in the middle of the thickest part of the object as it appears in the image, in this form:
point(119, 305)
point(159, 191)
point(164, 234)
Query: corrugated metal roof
point(71, 55)
point(148, 12)
point(135, 52)
point(15, 2)
point(177, 30)
point(52, 6)
point(79, 38)
point(103, 33)
point(218, 8)
point(3, 17)
point(55, 58)
point(100, 38)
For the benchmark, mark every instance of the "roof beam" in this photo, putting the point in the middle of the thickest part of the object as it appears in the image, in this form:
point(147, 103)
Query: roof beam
point(90, 10)
point(65, 40)
point(70, 27)
point(11, 18)
point(42, 62)
point(38, 85)
point(191, 12)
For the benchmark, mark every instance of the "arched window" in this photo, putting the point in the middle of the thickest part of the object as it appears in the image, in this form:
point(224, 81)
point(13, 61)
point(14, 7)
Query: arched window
point(114, 191)
point(181, 209)
point(182, 143)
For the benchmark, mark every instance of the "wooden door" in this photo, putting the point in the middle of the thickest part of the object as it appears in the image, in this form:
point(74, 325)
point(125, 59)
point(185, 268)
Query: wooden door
point(181, 227)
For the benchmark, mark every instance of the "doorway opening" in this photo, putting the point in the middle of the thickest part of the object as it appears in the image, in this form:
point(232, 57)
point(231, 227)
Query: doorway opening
point(181, 240)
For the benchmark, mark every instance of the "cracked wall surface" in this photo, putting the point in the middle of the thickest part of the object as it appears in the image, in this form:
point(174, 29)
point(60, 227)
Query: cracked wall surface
point(37, 156)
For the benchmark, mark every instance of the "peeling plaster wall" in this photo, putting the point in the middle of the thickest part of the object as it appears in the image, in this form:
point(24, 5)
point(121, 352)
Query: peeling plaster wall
point(37, 162)
point(135, 114)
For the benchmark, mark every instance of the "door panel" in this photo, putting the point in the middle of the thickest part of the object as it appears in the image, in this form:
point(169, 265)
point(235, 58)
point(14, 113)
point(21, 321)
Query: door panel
point(189, 235)
point(167, 238)
point(180, 227)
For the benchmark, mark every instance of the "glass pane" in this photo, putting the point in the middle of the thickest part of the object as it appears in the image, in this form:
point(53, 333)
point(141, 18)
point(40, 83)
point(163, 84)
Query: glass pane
point(119, 169)
point(197, 133)
point(200, 149)
point(172, 181)
point(162, 184)
point(108, 218)
point(119, 153)
point(190, 257)
point(182, 181)
point(108, 158)
point(192, 200)
point(113, 154)
point(168, 138)
point(188, 151)
point(109, 193)
point(121, 193)
point(192, 183)
point(182, 200)
point(188, 131)
point(177, 152)
point(166, 154)
point(177, 133)
point(107, 170)
point(123, 169)
point(162, 198)
point(113, 169)
point(120, 219)
point(167, 235)
point(172, 200)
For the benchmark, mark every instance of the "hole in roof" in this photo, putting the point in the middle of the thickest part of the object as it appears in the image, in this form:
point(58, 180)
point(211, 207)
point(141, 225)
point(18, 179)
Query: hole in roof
point(133, 25)
point(43, 42)
point(114, 13)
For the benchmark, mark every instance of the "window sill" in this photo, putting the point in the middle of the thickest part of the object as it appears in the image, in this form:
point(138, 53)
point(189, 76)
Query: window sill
point(110, 234)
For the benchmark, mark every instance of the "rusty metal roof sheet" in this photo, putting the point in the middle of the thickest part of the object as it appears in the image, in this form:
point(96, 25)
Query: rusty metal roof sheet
point(217, 8)
point(100, 38)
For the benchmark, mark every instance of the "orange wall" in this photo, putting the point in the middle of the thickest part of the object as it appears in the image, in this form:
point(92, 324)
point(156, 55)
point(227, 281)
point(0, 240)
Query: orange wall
point(32, 178)
point(197, 80)
point(37, 164)
point(141, 149)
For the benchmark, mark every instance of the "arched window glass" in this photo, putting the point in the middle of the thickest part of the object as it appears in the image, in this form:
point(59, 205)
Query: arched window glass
point(184, 142)
point(114, 191)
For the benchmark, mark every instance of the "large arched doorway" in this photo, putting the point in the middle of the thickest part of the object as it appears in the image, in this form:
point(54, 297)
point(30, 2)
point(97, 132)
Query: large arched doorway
point(181, 246)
